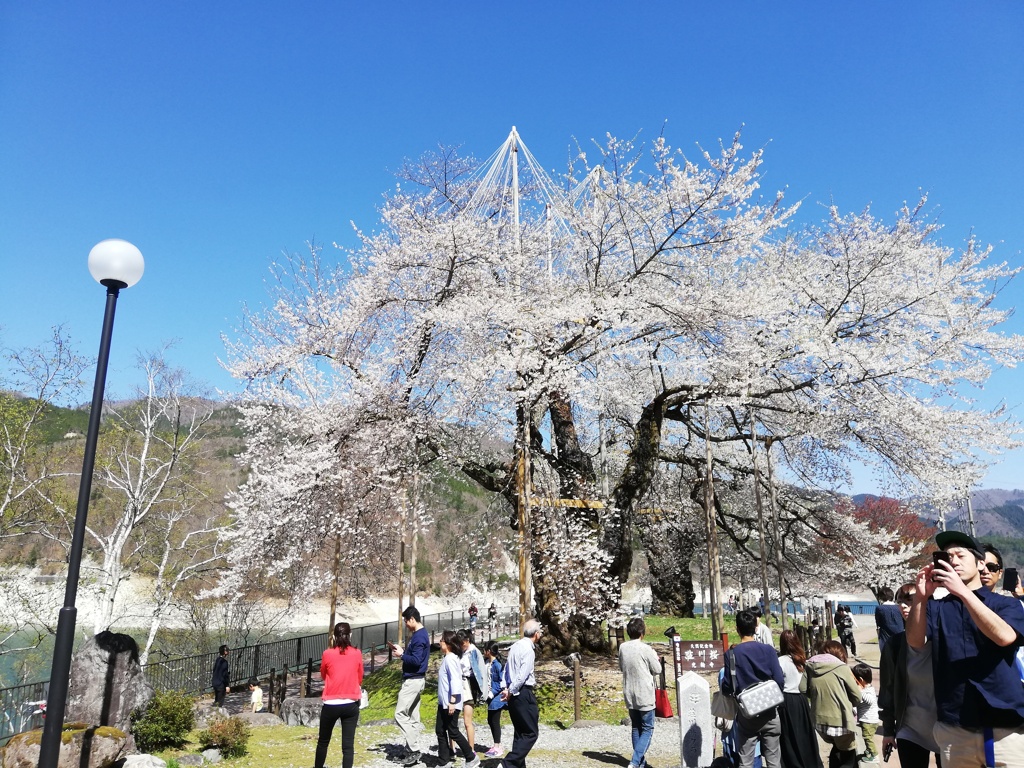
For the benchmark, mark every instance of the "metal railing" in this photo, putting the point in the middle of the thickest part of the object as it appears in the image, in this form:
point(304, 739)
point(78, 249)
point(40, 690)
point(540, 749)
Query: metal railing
point(21, 707)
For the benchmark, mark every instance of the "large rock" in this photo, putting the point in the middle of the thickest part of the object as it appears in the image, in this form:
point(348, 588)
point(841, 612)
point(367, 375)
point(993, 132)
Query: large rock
point(107, 683)
point(298, 711)
point(259, 718)
point(102, 747)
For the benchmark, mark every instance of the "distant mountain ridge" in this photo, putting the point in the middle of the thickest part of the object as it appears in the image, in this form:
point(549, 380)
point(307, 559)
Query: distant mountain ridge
point(997, 512)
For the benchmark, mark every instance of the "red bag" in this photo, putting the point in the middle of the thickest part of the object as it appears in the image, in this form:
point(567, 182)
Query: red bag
point(662, 705)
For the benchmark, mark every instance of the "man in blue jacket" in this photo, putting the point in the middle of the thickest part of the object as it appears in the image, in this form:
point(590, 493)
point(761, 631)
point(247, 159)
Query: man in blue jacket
point(415, 657)
point(754, 663)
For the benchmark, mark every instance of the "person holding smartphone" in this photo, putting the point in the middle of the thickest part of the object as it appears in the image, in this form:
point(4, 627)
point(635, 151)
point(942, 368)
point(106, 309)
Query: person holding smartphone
point(975, 635)
point(415, 658)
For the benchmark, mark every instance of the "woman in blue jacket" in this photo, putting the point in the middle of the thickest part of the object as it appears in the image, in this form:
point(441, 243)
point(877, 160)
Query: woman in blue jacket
point(494, 703)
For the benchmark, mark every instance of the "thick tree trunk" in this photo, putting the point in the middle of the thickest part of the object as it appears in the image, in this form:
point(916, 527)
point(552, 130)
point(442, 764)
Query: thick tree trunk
point(670, 546)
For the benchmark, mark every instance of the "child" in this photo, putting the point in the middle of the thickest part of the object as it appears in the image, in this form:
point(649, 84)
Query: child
point(257, 695)
point(867, 711)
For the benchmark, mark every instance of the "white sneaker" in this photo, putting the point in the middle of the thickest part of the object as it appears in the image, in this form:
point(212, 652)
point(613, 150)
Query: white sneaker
point(474, 763)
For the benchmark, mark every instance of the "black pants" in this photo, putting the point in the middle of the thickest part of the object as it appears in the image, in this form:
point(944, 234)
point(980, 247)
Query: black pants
point(494, 721)
point(348, 716)
point(218, 696)
point(446, 728)
point(525, 716)
point(913, 755)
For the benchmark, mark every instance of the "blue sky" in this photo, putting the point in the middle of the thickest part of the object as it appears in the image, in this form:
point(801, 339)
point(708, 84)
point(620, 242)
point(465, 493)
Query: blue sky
point(216, 135)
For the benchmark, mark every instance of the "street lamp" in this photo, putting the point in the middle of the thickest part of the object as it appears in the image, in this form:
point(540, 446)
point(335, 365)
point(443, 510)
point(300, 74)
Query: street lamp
point(115, 264)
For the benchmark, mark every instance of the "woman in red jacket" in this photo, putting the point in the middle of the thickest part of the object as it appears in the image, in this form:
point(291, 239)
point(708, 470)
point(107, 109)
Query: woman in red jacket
point(341, 669)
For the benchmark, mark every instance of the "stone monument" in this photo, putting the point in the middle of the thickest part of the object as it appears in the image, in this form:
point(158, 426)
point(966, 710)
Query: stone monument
point(696, 725)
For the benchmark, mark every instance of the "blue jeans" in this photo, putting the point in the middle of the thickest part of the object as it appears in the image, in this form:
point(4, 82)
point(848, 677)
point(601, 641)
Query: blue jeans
point(642, 721)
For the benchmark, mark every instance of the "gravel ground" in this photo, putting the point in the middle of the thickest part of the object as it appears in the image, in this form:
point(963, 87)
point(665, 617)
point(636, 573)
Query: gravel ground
point(590, 746)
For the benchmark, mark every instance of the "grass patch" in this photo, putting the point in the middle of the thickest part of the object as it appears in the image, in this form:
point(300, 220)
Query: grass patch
point(689, 629)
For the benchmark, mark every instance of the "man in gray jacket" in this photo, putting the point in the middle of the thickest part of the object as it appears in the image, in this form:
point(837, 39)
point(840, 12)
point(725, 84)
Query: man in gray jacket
point(639, 664)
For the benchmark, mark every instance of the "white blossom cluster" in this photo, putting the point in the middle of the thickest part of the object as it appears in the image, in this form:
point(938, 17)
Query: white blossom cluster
point(655, 287)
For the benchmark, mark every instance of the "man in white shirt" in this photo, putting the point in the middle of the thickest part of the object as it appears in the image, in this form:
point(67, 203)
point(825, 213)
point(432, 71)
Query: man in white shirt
point(762, 634)
point(519, 681)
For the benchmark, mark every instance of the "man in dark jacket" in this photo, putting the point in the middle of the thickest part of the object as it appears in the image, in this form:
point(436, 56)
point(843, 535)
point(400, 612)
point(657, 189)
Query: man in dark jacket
point(754, 663)
point(415, 657)
point(888, 618)
point(975, 635)
point(221, 676)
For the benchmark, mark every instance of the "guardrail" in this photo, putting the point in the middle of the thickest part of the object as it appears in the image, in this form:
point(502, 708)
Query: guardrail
point(22, 707)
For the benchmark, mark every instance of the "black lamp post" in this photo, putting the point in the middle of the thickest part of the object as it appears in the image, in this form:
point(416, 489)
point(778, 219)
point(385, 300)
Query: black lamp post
point(115, 264)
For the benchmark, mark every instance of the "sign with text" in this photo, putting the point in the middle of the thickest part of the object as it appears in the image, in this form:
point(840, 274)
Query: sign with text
point(700, 655)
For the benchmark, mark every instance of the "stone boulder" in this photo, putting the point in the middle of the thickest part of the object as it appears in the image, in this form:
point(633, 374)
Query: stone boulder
point(212, 755)
point(82, 746)
point(142, 761)
point(298, 711)
point(206, 712)
point(106, 683)
point(259, 718)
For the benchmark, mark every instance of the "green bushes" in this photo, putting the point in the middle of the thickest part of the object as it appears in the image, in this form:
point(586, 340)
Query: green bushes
point(166, 721)
point(228, 734)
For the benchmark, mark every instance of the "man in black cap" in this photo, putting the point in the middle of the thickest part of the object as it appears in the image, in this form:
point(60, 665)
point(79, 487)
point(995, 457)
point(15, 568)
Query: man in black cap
point(974, 634)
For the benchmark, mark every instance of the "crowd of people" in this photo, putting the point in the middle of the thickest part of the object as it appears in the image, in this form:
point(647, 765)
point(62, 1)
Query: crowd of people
point(951, 676)
point(951, 681)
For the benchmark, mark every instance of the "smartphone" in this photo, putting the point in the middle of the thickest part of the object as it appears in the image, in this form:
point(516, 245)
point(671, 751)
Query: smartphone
point(1010, 579)
point(887, 752)
point(937, 556)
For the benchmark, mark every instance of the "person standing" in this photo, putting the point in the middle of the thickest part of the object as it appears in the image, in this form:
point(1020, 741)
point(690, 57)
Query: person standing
point(519, 683)
point(474, 612)
point(221, 676)
point(867, 711)
point(415, 658)
point(492, 654)
point(975, 635)
point(472, 663)
point(834, 693)
point(747, 664)
point(907, 694)
point(763, 633)
point(341, 669)
point(449, 704)
point(639, 663)
point(798, 741)
point(888, 618)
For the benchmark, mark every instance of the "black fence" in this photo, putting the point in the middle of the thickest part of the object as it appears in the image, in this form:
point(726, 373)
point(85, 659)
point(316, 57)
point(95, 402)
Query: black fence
point(23, 705)
point(22, 708)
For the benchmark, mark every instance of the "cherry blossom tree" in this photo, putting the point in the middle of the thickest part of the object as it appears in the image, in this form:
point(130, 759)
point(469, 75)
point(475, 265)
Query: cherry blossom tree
point(604, 333)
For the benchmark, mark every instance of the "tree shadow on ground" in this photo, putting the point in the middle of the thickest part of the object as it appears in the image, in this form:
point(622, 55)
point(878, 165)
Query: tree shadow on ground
point(612, 758)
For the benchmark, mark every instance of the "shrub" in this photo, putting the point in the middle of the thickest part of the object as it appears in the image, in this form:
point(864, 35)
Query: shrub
point(166, 721)
point(228, 734)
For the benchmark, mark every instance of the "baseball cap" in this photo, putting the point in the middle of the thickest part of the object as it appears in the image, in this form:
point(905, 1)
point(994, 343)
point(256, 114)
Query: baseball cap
point(956, 539)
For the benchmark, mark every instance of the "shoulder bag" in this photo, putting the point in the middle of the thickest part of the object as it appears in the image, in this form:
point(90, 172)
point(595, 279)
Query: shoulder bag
point(758, 698)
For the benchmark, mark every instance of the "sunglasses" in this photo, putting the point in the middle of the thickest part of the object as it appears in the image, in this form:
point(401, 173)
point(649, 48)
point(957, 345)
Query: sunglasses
point(991, 567)
point(905, 599)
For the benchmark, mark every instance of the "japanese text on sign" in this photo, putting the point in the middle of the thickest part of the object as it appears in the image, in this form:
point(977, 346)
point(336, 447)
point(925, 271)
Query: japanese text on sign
point(700, 656)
